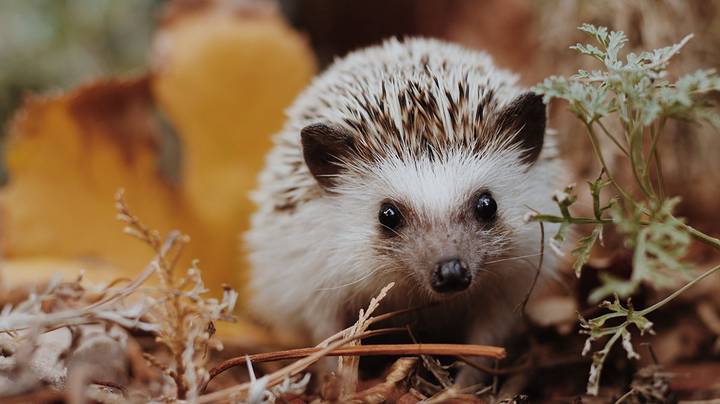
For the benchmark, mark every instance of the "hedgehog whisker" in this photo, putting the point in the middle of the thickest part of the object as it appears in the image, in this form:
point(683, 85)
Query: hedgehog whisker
point(347, 284)
point(390, 249)
point(483, 270)
point(370, 274)
point(513, 258)
point(394, 231)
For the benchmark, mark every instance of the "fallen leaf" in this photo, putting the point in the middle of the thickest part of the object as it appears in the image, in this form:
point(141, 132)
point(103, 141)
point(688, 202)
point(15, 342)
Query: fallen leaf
point(222, 75)
point(67, 155)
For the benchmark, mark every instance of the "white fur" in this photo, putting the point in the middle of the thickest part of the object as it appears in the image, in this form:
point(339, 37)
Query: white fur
point(312, 252)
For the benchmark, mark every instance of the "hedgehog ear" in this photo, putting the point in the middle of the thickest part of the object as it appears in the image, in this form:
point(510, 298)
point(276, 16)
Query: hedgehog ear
point(324, 148)
point(524, 119)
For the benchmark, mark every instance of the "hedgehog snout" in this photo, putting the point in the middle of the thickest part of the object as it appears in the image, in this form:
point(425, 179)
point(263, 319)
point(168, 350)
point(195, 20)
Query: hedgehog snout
point(450, 275)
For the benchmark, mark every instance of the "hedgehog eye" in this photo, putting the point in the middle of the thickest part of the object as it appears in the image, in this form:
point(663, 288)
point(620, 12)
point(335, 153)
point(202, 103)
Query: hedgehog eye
point(389, 216)
point(486, 207)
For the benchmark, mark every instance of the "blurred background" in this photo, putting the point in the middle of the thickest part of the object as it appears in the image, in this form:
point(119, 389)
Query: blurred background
point(49, 45)
point(213, 78)
point(199, 86)
point(176, 102)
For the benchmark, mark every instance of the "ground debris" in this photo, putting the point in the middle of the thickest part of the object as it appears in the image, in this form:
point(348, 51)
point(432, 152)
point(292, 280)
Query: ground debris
point(651, 385)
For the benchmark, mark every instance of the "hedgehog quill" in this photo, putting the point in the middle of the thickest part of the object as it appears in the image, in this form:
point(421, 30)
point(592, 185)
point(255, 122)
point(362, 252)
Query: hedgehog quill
point(411, 162)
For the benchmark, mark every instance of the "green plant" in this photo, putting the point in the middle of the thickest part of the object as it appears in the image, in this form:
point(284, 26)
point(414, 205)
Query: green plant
point(635, 94)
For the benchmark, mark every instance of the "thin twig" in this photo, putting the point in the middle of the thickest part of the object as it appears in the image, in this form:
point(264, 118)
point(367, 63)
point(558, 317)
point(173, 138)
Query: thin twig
point(373, 350)
point(709, 240)
point(598, 153)
point(673, 295)
point(386, 316)
point(432, 366)
point(608, 134)
point(73, 316)
point(625, 396)
point(573, 220)
point(523, 305)
point(366, 350)
point(277, 376)
point(526, 366)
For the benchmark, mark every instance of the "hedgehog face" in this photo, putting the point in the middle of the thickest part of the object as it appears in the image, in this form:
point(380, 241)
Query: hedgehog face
point(440, 224)
point(436, 218)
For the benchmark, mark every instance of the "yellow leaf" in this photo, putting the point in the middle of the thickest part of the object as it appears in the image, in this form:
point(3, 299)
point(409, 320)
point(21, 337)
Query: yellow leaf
point(221, 78)
point(224, 74)
point(67, 155)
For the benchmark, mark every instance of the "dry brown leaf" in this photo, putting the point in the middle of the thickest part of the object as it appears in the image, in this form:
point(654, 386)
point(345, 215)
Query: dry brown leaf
point(222, 76)
point(224, 73)
point(67, 155)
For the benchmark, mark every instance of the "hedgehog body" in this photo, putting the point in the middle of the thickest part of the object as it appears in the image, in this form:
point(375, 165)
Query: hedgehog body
point(412, 162)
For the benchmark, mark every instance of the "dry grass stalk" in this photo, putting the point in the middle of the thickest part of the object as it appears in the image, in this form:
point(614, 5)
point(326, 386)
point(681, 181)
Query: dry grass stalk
point(240, 391)
point(31, 312)
point(175, 312)
point(348, 365)
point(368, 350)
point(184, 319)
point(340, 344)
point(35, 350)
point(389, 350)
point(334, 342)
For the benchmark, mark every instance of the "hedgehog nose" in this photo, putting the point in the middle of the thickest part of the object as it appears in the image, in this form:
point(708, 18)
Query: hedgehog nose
point(450, 276)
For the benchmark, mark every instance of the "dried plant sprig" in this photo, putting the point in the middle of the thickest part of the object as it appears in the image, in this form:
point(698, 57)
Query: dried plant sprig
point(235, 393)
point(348, 365)
point(366, 350)
point(365, 317)
point(73, 304)
point(636, 93)
point(325, 347)
point(334, 343)
point(183, 318)
point(133, 226)
point(565, 200)
point(486, 351)
point(30, 313)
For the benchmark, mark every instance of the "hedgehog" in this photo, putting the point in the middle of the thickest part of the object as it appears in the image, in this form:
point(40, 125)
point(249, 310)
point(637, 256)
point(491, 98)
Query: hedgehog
point(416, 162)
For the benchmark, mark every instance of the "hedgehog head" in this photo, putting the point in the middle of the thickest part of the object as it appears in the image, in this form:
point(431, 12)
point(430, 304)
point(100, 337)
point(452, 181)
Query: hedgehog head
point(433, 212)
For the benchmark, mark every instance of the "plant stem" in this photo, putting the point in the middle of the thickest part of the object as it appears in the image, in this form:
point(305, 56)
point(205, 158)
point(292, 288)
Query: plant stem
point(625, 396)
point(594, 384)
point(601, 158)
point(384, 350)
point(607, 133)
point(574, 220)
point(654, 155)
point(363, 350)
point(660, 178)
point(709, 240)
point(673, 295)
point(637, 162)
